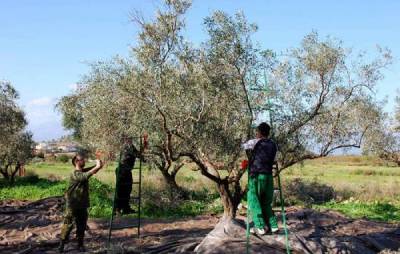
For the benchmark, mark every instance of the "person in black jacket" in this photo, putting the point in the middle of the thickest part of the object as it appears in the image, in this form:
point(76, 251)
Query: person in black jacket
point(124, 179)
point(261, 183)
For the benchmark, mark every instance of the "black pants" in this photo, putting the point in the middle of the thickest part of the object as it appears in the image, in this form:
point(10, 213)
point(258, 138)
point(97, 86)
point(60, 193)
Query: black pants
point(124, 189)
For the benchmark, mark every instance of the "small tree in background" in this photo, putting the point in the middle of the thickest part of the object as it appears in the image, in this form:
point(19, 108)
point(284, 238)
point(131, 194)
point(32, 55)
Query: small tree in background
point(383, 140)
point(16, 145)
point(397, 111)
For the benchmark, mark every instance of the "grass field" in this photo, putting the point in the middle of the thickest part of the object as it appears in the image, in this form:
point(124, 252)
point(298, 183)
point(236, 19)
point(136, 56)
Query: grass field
point(366, 178)
point(364, 187)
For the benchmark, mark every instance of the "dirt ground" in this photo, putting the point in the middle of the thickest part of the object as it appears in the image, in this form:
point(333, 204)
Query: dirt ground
point(34, 227)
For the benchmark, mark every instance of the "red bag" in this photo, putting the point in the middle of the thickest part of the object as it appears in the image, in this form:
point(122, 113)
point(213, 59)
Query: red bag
point(245, 164)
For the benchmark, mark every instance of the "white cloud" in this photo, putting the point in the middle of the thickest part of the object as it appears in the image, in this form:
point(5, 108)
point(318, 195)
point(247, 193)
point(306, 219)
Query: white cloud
point(43, 119)
point(43, 101)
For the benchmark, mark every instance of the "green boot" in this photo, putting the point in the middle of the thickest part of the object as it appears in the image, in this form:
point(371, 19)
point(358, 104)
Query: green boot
point(273, 224)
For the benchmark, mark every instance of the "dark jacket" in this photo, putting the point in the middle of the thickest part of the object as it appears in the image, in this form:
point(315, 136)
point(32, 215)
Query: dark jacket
point(128, 157)
point(126, 164)
point(263, 157)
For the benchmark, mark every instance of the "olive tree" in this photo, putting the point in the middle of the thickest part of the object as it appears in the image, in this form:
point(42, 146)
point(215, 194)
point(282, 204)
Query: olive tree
point(198, 103)
point(15, 144)
point(197, 97)
point(321, 98)
point(383, 140)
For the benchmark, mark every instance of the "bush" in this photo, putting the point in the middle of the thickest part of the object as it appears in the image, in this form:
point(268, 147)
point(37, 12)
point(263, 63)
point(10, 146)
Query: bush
point(30, 177)
point(100, 198)
point(40, 155)
point(37, 160)
point(63, 158)
point(164, 202)
point(49, 157)
point(308, 193)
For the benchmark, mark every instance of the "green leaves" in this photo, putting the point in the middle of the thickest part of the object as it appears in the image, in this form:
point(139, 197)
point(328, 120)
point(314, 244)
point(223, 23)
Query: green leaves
point(321, 98)
point(15, 144)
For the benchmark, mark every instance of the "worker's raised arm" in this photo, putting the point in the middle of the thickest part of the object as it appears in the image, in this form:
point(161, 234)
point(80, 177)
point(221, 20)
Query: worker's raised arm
point(95, 169)
point(88, 168)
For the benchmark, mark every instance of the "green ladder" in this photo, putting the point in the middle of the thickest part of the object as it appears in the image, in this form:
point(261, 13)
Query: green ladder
point(137, 199)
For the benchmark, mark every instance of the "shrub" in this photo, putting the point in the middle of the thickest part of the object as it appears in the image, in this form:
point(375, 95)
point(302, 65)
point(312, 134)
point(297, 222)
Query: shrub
point(40, 155)
point(49, 157)
point(37, 160)
point(30, 177)
point(308, 193)
point(63, 158)
point(100, 198)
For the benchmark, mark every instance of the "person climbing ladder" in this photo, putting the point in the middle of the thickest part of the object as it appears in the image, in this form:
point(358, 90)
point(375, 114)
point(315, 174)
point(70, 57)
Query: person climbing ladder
point(261, 183)
point(124, 179)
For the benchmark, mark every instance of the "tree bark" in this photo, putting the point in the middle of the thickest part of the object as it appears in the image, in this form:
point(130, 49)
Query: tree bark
point(228, 203)
point(170, 180)
point(5, 173)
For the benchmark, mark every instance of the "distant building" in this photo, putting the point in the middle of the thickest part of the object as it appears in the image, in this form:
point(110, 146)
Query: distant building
point(56, 147)
point(68, 148)
point(41, 147)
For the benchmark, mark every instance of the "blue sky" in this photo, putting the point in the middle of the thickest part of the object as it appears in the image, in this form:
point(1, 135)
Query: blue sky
point(45, 44)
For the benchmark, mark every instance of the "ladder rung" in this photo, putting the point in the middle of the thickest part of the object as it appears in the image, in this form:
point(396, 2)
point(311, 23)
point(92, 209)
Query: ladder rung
point(135, 182)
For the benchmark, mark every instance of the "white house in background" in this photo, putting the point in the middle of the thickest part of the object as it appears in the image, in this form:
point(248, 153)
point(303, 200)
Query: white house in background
point(56, 147)
point(41, 146)
point(67, 148)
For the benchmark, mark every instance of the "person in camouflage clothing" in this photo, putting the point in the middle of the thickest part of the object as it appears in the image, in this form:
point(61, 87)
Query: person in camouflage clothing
point(124, 179)
point(77, 201)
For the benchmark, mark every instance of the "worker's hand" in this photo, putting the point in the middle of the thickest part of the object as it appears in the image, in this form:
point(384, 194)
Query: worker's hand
point(98, 154)
point(99, 164)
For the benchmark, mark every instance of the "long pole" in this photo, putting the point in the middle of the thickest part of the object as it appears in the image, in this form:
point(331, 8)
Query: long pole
point(283, 213)
point(113, 207)
point(248, 216)
point(140, 185)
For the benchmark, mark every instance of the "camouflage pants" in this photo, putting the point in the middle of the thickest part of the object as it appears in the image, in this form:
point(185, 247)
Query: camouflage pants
point(79, 217)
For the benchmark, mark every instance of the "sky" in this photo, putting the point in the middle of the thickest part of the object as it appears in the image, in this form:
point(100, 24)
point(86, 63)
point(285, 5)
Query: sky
point(46, 45)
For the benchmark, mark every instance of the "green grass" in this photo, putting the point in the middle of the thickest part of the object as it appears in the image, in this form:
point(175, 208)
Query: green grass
point(31, 188)
point(377, 210)
point(157, 200)
point(369, 180)
point(34, 188)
